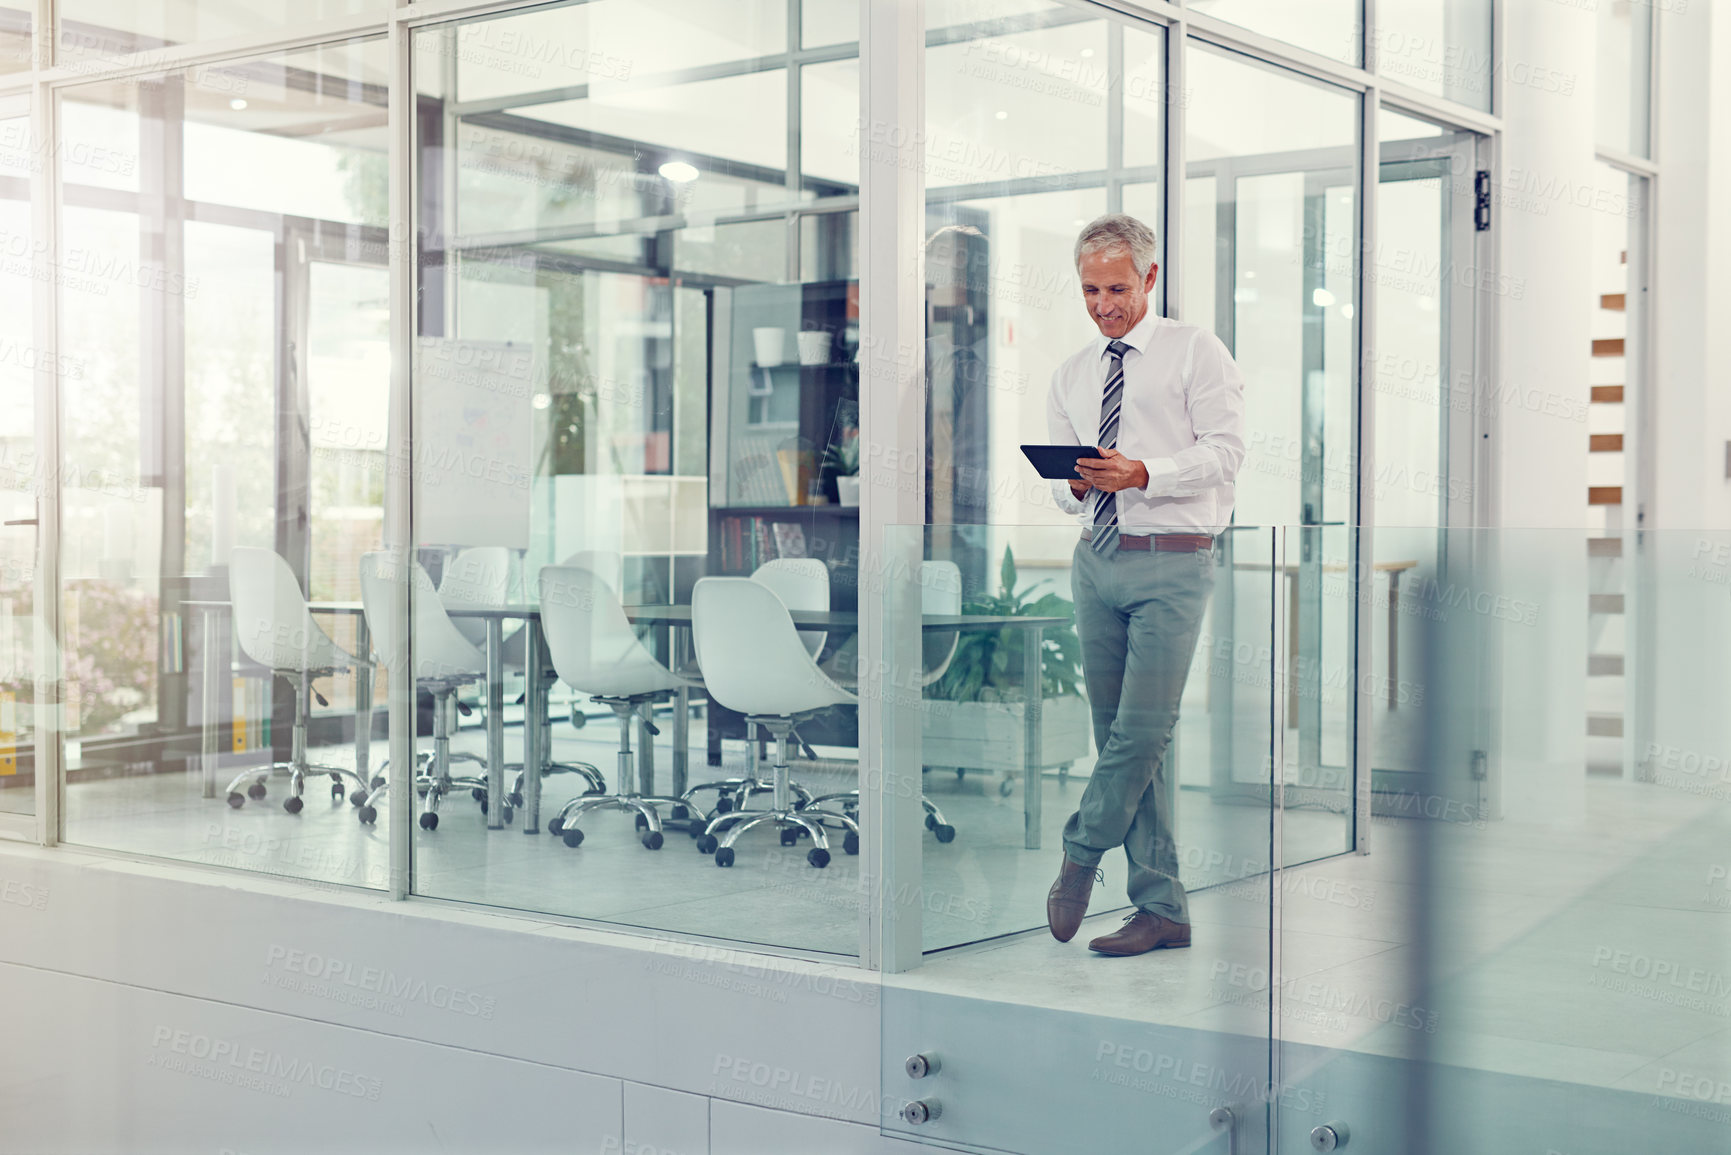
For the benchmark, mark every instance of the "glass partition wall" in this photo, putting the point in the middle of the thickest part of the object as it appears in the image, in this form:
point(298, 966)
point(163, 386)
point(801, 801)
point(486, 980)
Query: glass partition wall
point(633, 356)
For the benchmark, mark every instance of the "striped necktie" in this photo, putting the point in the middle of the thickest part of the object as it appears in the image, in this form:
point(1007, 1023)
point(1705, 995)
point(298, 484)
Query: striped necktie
point(1111, 404)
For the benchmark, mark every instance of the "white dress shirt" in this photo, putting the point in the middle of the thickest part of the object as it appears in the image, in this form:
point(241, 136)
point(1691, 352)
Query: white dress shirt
point(1183, 418)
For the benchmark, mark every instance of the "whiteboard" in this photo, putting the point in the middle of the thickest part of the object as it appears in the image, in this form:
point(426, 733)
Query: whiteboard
point(473, 414)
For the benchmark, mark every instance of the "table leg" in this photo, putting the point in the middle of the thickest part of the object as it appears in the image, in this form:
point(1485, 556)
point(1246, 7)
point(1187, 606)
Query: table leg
point(534, 714)
point(1033, 784)
point(1393, 638)
point(212, 702)
point(363, 704)
point(681, 719)
point(496, 724)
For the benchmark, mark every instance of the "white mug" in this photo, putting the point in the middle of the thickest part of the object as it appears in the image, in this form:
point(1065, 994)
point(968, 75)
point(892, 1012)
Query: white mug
point(770, 344)
point(814, 348)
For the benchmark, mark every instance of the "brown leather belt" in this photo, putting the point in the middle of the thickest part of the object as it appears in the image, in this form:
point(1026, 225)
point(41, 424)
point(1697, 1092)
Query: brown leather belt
point(1163, 542)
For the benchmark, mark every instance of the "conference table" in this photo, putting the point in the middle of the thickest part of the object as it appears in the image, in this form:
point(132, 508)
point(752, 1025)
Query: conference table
point(677, 620)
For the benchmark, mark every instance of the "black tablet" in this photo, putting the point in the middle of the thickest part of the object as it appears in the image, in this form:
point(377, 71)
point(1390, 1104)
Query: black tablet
point(1058, 462)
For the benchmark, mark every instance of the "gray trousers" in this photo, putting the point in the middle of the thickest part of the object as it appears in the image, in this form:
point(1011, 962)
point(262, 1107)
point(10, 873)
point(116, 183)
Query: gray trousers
point(1138, 614)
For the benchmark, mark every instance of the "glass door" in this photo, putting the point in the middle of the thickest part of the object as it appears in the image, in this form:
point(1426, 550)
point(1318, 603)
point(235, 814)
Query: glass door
point(1427, 407)
point(19, 475)
point(1270, 262)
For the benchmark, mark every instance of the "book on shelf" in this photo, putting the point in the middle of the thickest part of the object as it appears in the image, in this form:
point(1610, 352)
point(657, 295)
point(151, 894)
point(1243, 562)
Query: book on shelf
point(748, 542)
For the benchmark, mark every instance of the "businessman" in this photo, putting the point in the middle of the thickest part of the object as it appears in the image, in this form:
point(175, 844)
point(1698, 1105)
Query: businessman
point(1164, 403)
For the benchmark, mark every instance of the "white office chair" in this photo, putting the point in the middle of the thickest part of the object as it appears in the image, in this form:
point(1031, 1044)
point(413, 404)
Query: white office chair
point(444, 662)
point(755, 662)
point(802, 584)
point(596, 652)
point(485, 576)
point(276, 629)
point(940, 594)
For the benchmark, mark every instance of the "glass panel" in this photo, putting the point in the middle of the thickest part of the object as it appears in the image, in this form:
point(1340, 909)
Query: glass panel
point(1625, 75)
point(824, 22)
point(221, 457)
point(15, 50)
point(92, 29)
point(1442, 47)
point(1331, 28)
point(1531, 955)
point(1012, 704)
point(1426, 409)
point(21, 474)
point(634, 370)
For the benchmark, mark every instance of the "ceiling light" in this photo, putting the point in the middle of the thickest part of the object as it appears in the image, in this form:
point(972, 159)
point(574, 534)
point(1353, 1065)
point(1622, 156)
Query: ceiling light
point(1087, 52)
point(1002, 115)
point(237, 104)
point(1346, 311)
point(678, 170)
point(1321, 298)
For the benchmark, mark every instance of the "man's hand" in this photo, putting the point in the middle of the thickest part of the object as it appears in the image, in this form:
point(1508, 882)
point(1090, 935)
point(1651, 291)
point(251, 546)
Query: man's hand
point(1078, 488)
point(1111, 471)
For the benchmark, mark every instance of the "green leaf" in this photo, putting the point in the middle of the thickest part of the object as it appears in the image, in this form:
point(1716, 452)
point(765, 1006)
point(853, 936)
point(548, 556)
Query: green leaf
point(1007, 574)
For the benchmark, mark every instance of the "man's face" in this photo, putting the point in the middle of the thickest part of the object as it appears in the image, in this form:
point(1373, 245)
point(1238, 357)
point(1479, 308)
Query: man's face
point(1116, 297)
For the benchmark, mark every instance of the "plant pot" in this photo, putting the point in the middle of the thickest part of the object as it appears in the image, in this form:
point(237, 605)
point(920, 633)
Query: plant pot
point(993, 735)
point(847, 490)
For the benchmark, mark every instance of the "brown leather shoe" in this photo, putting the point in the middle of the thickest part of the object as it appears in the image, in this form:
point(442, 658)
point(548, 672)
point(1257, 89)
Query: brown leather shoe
point(1141, 933)
point(1067, 901)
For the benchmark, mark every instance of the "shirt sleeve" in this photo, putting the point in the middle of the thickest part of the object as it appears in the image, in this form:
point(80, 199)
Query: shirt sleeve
point(1059, 429)
point(1214, 400)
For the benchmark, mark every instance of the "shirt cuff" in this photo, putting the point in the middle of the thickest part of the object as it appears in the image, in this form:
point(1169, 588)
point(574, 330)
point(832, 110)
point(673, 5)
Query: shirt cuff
point(1065, 499)
point(1162, 476)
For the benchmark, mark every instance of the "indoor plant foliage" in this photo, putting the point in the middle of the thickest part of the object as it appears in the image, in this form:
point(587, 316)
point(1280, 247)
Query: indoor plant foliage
point(987, 666)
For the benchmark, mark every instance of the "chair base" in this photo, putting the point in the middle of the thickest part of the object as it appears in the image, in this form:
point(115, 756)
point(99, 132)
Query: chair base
point(849, 799)
point(725, 829)
point(645, 806)
point(297, 774)
point(588, 772)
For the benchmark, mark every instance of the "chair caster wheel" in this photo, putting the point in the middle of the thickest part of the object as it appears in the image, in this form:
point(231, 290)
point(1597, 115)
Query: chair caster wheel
point(256, 791)
point(429, 821)
point(723, 804)
point(554, 826)
point(507, 814)
point(818, 858)
point(478, 794)
point(514, 798)
point(850, 843)
point(378, 781)
point(944, 832)
point(573, 837)
point(1005, 787)
point(336, 791)
point(789, 837)
point(367, 815)
point(236, 799)
point(653, 840)
point(642, 823)
point(931, 823)
point(483, 801)
point(293, 804)
point(681, 813)
point(706, 843)
point(358, 798)
point(724, 856)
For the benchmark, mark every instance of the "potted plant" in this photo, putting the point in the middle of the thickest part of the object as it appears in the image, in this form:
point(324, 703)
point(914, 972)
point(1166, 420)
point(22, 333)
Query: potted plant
point(976, 714)
point(842, 460)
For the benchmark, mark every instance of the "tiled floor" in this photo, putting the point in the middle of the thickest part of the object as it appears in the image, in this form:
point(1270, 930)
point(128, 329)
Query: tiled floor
point(1595, 950)
point(1597, 953)
point(981, 885)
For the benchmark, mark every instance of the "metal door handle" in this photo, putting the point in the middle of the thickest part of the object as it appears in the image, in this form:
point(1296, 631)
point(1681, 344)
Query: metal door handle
point(1329, 1136)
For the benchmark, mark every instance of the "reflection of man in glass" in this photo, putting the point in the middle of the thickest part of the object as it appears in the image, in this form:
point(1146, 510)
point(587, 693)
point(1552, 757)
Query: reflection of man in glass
point(1164, 403)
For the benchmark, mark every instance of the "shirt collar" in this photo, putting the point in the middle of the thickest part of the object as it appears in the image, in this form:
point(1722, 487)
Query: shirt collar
point(1138, 336)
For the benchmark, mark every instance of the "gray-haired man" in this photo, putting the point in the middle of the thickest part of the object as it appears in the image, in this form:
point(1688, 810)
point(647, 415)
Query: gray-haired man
point(1164, 403)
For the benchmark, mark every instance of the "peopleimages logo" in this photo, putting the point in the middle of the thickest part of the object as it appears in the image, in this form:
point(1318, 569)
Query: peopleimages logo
point(340, 979)
point(256, 1068)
